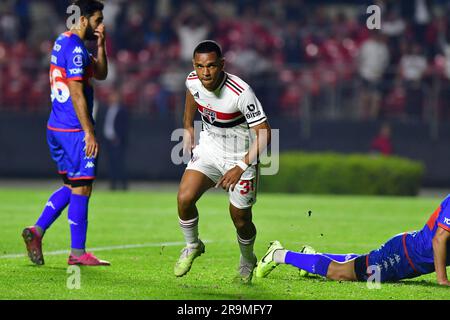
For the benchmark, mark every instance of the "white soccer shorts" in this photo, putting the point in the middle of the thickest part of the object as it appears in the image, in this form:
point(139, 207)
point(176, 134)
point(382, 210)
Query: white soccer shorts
point(214, 167)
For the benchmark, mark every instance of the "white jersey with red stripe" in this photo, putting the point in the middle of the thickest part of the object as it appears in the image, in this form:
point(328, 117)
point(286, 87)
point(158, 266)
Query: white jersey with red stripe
point(228, 113)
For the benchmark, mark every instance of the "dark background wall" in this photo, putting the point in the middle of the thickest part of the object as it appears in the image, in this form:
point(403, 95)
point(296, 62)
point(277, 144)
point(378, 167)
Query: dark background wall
point(24, 152)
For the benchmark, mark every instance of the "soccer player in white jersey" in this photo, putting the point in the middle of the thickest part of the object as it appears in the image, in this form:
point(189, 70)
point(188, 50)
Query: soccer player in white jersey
point(226, 156)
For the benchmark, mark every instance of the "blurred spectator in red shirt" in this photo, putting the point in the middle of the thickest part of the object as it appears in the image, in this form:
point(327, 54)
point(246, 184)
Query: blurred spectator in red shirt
point(382, 143)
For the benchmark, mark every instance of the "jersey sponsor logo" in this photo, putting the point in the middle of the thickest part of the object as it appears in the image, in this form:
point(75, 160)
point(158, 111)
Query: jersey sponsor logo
point(57, 47)
point(54, 59)
point(77, 50)
point(251, 115)
point(76, 71)
point(89, 165)
point(78, 60)
point(447, 221)
point(210, 115)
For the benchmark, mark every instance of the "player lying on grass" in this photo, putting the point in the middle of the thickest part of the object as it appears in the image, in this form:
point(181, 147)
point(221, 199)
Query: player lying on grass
point(406, 255)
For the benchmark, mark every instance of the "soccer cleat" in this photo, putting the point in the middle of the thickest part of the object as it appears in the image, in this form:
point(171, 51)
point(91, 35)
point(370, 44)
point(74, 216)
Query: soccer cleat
point(309, 250)
point(267, 264)
point(245, 270)
point(188, 256)
point(33, 242)
point(87, 259)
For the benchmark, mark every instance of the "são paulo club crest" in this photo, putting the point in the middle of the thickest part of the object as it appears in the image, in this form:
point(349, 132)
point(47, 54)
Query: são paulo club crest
point(209, 114)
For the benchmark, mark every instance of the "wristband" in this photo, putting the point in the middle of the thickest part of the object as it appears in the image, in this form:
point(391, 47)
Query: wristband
point(241, 164)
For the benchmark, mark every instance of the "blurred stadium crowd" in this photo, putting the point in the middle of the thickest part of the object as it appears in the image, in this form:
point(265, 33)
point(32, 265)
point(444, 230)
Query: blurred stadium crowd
point(303, 58)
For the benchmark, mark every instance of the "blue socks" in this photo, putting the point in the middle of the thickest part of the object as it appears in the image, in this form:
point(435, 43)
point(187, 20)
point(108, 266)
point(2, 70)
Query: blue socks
point(55, 205)
point(313, 263)
point(78, 213)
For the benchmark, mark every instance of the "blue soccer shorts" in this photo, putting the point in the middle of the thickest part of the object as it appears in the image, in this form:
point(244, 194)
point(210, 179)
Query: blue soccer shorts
point(391, 260)
point(68, 151)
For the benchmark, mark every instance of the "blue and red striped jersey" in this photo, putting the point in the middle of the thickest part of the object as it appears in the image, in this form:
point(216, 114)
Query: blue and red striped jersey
point(70, 61)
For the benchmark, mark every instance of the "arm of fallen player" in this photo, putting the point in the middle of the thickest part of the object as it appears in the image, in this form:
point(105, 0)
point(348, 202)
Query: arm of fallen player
point(440, 255)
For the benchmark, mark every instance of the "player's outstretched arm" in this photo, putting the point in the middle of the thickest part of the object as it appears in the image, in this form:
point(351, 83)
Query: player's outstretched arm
point(440, 255)
point(81, 109)
point(101, 63)
point(190, 107)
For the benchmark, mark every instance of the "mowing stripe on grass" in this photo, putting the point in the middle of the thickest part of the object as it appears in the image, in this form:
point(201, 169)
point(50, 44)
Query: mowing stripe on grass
point(122, 247)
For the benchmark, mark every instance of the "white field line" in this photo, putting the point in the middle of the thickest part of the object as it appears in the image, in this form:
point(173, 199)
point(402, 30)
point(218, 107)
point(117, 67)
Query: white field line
point(122, 247)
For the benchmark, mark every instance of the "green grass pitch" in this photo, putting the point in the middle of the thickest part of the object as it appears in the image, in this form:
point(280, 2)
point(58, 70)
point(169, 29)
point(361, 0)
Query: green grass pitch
point(129, 228)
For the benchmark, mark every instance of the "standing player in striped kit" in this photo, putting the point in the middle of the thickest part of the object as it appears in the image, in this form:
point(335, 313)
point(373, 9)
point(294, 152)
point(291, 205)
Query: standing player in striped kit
point(226, 156)
point(70, 132)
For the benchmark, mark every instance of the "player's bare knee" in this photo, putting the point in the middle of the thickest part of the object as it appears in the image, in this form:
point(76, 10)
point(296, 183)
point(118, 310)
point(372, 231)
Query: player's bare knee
point(241, 219)
point(339, 272)
point(186, 200)
point(240, 223)
point(82, 190)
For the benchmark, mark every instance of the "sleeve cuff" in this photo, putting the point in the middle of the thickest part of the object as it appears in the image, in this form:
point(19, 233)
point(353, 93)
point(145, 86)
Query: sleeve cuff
point(75, 79)
point(443, 226)
point(256, 122)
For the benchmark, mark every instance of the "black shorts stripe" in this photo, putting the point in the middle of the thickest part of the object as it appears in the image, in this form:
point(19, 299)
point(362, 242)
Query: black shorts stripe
point(223, 124)
point(65, 179)
point(81, 183)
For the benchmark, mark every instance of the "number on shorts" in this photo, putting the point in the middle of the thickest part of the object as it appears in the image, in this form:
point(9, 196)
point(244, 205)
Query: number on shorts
point(247, 186)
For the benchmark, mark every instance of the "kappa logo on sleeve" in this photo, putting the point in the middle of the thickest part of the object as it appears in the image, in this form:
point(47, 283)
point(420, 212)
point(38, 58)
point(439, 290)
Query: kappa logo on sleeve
point(77, 50)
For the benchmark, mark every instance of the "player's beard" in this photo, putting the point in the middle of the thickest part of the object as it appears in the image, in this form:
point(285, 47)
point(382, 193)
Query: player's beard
point(90, 35)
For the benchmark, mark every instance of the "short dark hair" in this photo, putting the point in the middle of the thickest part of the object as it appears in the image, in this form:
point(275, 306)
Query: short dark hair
point(208, 46)
point(88, 7)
